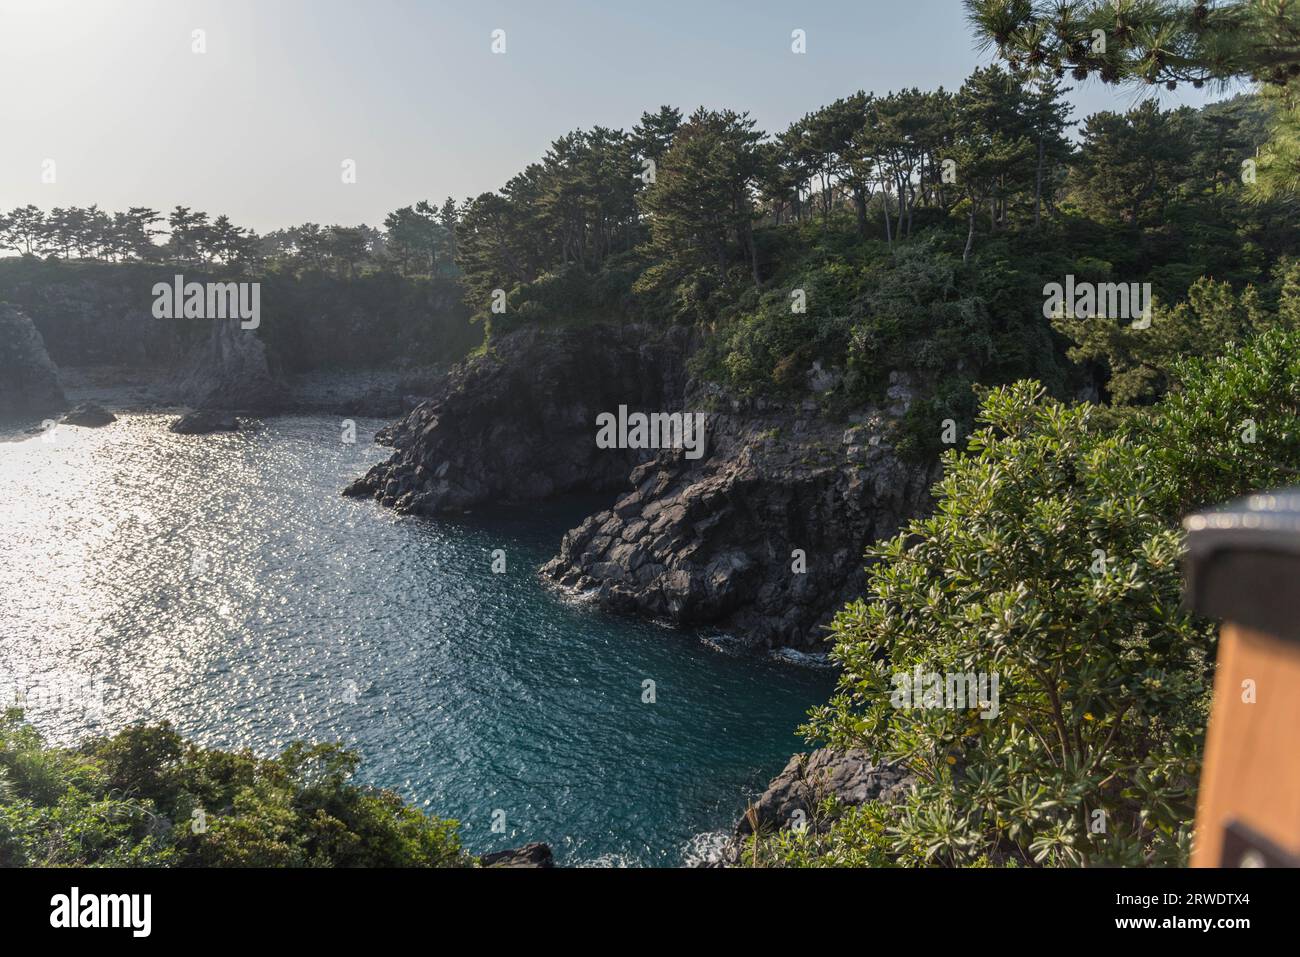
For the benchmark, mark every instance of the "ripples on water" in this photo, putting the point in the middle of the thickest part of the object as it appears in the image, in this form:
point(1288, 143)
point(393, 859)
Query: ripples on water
point(222, 582)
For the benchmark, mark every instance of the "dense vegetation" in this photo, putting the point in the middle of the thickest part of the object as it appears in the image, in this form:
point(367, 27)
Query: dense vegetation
point(416, 240)
point(1052, 555)
point(912, 231)
point(1053, 558)
point(146, 797)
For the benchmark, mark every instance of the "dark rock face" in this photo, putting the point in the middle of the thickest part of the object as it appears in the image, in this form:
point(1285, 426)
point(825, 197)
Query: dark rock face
point(204, 421)
point(29, 382)
point(530, 855)
point(763, 537)
point(229, 371)
point(518, 424)
point(88, 415)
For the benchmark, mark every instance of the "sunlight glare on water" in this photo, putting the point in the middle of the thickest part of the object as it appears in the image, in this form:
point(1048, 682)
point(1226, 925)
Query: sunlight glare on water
point(222, 583)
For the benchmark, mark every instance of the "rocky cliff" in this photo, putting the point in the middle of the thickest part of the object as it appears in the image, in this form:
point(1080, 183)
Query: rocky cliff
point(516, 424)
point(29, 382)
point(363, 346)
point(97, 316)
point(762, 536)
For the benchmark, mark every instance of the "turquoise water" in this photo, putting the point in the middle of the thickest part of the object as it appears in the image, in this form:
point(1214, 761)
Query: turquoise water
point(222, 582)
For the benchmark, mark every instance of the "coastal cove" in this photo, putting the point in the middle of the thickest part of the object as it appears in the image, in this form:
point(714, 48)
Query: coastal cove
point(223, 584)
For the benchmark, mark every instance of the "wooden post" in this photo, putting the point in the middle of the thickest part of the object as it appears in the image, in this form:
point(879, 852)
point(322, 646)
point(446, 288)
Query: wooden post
point(1243, 566)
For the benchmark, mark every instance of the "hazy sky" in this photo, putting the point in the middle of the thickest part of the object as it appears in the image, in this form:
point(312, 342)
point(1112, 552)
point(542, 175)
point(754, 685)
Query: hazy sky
point(258, 125)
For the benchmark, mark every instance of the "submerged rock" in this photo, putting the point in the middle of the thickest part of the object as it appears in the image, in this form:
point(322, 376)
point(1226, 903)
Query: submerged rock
point(530, 855)
point(88, 415)
point(204, 421)
point(29, 381)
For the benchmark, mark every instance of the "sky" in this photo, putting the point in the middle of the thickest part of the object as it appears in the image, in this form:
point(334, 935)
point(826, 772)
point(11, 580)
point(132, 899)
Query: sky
point(259, 125)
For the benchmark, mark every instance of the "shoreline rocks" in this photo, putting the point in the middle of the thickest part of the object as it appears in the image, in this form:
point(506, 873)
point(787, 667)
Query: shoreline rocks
point(763, 538)
point(852, 777)
point(535, 855)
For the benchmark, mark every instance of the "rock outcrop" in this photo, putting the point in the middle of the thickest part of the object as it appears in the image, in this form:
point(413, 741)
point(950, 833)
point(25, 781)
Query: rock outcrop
point(763, 537)
point(852, 777)
point(793, 796)
point(517, 424)
point(29, 381)
point(229, 372)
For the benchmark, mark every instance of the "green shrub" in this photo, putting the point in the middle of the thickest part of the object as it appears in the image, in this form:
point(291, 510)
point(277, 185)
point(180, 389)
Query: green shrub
point(1141, 361)
point(147, 797)
point(1052, 560)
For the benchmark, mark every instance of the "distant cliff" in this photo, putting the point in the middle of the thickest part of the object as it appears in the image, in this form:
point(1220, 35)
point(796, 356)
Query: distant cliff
point(100, 314)
point(358, 346)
